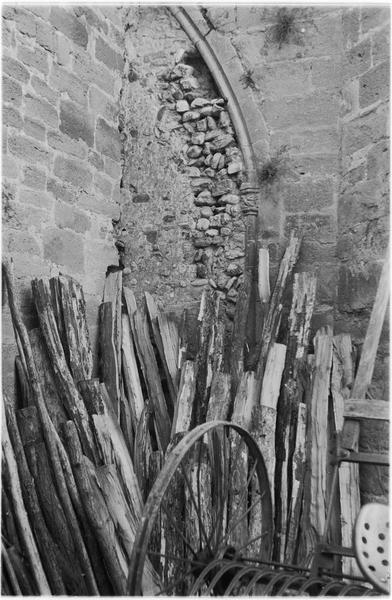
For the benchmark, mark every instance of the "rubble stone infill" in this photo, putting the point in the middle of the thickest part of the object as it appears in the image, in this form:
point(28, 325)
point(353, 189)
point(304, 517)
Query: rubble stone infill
point(213, 161)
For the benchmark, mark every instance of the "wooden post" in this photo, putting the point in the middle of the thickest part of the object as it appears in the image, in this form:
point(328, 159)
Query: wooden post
point(130, 372)
point(110, 440)
point(184, 403)
point(152, 379)
point(52, 440)
point(341, 384)
point(319, 425)
point(45, 543)
point(29, 544)
point(264, 430)
point(96, 511)
point(65, 384)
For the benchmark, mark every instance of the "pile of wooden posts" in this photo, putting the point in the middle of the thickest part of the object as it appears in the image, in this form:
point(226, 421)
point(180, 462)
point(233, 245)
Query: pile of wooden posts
point(80, 454)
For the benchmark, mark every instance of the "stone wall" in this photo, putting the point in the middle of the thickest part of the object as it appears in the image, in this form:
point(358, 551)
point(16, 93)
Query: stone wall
point(363, 209)
point(181, 223)
point(62, 76)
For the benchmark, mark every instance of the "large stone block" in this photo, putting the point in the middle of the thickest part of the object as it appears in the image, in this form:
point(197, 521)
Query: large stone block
point(108, 140)
point(28, 150)
point(11, 91)
point(35, 198)
point(381, 45)
point(351, 20)
point(76, 123)
point(14, 68)
point(326, 73)
point(64, 248)
point(42, 11)
point(94, 73)
point(363, 131)
point(11, 117)
point(42, 89)
point(311, 141)
point(34, 57)
point(357, 289)
point(21, 242)
point(361, 203)
point(105, 53)
point(66, 22)
point(102, 105)
point(64, 81)
point(315, 226)
point(307, 194)
point(46, 36)
point(316, 165)
point(91, 18)
point(357, 60)
point(70, 217)
point(102, 185)
point(24, 22)
point(286, 78)
point(61, 190)
point(34, 129)
point(378, 161)
point(34, 178)
point(38, 108)
point(374, 85)
point(319, 108)
point(71, 172)
point(9, 167)
point(59, 141)
point(374, 16)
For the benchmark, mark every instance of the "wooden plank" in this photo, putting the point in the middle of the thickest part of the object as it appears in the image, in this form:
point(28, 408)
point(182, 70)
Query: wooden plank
point(43, 363)
point(152, 379)
point(67, 389)
point(130, 373)
point(167, 343)
point(96, 510)
point(9, 569)
point(15, 490)
point(52, 440)
point(264, 431)
point(243, 414)
point(219, 400)
point(319, 425)
point(377, 410)
point(76, 336)
point(110, 440)
point(299, 464)
point(348, 475)
point(263, 275)
point(49, 502)
point(112, 292)
point(45, 543)
point(272, 320)
point(184, 403)
point(142, 451)
point(108, 360)
point(292, 391)
point(239, 334)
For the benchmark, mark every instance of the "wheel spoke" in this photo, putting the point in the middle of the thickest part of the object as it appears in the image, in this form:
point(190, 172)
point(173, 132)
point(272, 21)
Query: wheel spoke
point(174, 583)
point(249, 542)
point(198, 490)
point(220, 542)
point(174, 524)
point(223, 491)
point(177, 558)
point(243, 516)
point(201, 526)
